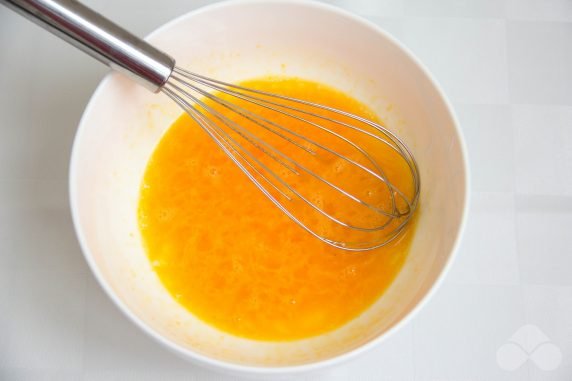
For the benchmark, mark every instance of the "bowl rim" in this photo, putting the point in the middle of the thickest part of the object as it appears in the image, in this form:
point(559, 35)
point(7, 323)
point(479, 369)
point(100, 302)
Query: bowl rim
point(227, 366)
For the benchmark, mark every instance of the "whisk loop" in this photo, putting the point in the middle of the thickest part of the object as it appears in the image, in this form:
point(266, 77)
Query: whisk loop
point(228, 114)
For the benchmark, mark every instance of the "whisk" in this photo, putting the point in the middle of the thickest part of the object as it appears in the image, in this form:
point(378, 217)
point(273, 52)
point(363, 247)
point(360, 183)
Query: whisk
point(299, 171)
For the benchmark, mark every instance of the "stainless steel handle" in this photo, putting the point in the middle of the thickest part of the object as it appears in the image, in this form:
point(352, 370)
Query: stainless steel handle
point(100, 38)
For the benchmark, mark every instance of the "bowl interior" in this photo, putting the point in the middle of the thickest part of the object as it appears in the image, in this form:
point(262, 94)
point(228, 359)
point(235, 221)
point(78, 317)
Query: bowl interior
point(232, 42)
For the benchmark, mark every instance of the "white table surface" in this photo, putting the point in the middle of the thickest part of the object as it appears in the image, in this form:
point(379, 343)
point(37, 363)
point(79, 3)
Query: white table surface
point(507, 67)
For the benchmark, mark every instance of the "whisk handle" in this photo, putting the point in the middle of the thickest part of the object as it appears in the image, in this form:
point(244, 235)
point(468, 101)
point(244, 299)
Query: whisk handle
point(100, 38)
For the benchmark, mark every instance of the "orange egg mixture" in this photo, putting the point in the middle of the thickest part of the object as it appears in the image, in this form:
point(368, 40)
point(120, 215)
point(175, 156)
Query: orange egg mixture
point(233, 259)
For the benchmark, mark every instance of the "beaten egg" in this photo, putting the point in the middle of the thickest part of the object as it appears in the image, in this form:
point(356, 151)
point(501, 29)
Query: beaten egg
point(233, 259)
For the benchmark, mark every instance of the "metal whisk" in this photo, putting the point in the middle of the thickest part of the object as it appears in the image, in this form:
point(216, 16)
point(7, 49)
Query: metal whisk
point(295, 151)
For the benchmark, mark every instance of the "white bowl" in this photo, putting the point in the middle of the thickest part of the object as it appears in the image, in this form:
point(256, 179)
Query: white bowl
point(239, 40)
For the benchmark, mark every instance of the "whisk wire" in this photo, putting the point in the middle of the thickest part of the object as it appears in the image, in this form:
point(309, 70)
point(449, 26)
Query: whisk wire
point(183, 83)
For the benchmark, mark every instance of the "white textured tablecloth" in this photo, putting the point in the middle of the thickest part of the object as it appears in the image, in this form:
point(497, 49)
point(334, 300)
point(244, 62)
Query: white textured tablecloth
point(507, 67)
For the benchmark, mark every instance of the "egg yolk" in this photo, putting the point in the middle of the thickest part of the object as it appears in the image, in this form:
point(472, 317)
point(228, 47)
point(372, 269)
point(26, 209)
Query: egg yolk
point(226, 253)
